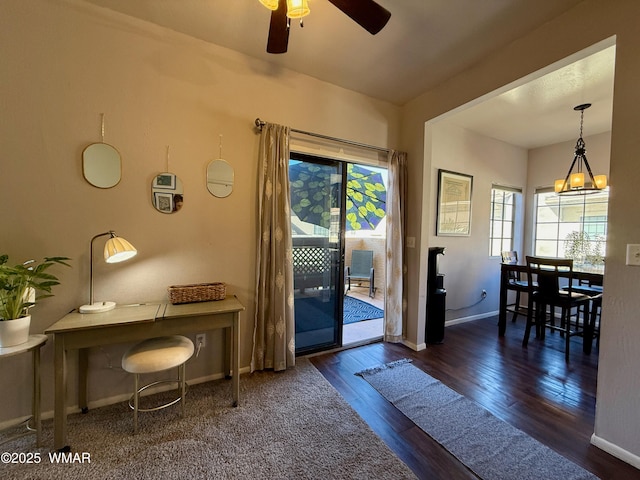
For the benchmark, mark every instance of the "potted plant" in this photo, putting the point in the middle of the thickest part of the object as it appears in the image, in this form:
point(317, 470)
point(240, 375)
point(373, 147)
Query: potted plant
point(19, 286)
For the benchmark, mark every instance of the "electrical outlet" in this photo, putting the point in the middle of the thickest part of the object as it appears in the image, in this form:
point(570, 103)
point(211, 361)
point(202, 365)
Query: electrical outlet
point(484, 293)
point(201, 340)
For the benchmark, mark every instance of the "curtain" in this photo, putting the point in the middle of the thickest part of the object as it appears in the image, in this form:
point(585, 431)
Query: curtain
point(274, 327)
point(395, 300)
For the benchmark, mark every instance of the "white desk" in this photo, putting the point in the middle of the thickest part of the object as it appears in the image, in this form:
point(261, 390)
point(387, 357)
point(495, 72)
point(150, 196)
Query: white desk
point(77, 331)
point(33, 345)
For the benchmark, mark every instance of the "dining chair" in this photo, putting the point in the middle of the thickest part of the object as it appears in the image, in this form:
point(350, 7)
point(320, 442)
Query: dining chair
point(514, 283)
point(593, 287)
point(553, 288)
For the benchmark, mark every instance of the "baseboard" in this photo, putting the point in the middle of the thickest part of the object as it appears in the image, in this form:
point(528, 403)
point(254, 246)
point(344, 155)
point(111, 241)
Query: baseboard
point(471, 318)
point(616, 451)
point(418, 347)
point(414, 346)
point(103, 402)
point(14, 422)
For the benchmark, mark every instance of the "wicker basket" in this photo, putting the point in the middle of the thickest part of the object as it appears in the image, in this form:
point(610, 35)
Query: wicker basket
point(198, 292)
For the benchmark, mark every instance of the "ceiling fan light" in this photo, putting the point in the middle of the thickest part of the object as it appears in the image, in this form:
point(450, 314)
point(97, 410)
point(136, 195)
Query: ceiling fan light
point(297, 8)
point(577, 180)
point(600, 181)
point(270, 4)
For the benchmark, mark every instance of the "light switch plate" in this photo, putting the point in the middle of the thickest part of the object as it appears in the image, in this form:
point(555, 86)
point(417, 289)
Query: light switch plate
point(411, 242)
point(633, 254)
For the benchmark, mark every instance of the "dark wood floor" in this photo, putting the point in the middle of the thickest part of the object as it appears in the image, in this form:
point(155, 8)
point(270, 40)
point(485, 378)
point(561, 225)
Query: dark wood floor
point(531, 388)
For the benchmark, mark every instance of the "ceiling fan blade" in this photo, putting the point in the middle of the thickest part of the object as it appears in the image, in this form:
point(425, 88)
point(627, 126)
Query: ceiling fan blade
point(278, 30)
point(366, 13)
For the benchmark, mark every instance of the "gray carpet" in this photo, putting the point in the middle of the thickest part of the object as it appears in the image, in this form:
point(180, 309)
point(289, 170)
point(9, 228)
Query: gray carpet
point(488, 446)
point(290, 425)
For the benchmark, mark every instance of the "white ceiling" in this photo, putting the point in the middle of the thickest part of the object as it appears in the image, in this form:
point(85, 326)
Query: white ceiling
point(540, 112)
point(424, 43)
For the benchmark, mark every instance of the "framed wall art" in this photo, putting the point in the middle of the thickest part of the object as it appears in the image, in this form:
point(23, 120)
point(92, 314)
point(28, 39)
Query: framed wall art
point(454, 204)
point(165, 180)
point(163, 202)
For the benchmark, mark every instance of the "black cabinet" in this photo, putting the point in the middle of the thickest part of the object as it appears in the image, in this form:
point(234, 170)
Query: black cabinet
point(436, 295)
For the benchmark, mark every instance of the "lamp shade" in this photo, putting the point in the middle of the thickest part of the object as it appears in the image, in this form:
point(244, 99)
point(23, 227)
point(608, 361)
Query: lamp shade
point(577, 180)
point(117, 249)
point(601, 181)
point(297, 8)
point(270, 4)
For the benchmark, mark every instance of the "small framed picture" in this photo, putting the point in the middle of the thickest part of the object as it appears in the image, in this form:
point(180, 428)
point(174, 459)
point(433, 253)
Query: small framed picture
point(454, 204)
point(163, 202)
point(165, 181)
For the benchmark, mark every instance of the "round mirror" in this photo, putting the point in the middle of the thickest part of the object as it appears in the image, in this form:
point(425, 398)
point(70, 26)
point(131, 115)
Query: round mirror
point(101, 165)
point(220, 178)
point(167, 194)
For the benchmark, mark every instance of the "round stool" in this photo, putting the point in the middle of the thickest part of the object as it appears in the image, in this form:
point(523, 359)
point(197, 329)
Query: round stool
point(156, 355)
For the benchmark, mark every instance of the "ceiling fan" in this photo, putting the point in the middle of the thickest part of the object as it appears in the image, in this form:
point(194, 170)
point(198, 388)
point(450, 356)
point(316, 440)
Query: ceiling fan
point(366, 13)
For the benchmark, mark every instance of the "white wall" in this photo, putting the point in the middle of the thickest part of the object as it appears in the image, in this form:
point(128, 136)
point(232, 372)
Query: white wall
point(467, 266)
point(66, 62)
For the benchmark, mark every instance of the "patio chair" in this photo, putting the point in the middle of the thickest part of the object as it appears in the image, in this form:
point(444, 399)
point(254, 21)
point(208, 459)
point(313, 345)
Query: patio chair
point(361, 269)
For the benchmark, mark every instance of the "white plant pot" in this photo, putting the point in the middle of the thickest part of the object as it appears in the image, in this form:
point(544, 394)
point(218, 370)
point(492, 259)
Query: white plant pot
point(14, 332)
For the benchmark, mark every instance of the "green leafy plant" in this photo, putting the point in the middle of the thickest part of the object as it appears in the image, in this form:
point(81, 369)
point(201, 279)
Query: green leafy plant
point(16, 284)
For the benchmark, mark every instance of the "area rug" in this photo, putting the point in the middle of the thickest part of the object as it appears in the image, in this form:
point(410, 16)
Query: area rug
point(289, 425)
point(488, 446)
point(356, 311)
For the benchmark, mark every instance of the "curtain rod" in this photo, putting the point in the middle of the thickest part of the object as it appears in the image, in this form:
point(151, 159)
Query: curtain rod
point(260, 123)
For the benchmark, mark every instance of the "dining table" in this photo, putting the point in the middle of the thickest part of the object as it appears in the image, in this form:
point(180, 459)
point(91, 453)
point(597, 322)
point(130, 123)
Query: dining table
point(589, 283)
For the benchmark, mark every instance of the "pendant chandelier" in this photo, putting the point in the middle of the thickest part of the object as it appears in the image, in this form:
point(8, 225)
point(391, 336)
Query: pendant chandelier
point(574, 182)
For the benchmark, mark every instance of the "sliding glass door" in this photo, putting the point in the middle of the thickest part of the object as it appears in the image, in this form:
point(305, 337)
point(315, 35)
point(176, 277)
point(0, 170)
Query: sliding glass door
point(318, 253)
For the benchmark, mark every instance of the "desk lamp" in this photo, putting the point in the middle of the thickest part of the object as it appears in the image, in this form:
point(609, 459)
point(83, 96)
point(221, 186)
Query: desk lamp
point(117, 249)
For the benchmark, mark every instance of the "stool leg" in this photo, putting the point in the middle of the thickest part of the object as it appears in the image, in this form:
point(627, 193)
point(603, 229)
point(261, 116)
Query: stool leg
point(182, 376)
point(136, 398)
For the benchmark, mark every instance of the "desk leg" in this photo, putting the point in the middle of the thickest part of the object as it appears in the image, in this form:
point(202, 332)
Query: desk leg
point(228, 352)
point(502, 312)
point(83, 368)
point(236, 358)
point(60, 402)
point(35, 401)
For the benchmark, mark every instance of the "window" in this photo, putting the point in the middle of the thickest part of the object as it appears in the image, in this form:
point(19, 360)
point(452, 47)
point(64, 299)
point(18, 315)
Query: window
point(572, 226)
point(503, 214)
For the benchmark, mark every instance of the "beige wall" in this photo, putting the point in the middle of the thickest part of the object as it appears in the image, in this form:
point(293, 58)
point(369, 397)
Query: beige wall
point(65, 63)
point(590, 22)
